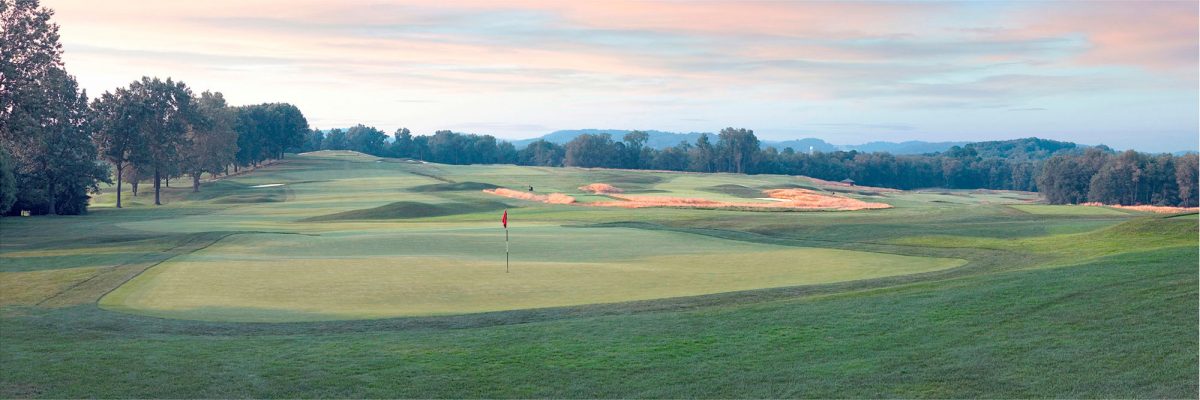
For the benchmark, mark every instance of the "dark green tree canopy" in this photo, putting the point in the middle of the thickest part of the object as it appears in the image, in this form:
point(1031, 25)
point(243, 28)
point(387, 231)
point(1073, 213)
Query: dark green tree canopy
point(267, 130)
point(366, 139)
point(43, 115)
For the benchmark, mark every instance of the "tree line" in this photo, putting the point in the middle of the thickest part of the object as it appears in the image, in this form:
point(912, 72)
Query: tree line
point(1064, 172)
point(442, 146)
point(57, 145)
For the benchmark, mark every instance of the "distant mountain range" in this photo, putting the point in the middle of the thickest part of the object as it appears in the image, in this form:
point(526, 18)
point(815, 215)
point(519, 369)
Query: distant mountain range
point(661, 140)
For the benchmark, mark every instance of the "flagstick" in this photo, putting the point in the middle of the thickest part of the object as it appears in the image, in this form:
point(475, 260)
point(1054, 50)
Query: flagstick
point(506, 250)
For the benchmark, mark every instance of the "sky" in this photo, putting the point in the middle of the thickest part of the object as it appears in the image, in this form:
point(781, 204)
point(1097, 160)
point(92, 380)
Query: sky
point(1123, 74)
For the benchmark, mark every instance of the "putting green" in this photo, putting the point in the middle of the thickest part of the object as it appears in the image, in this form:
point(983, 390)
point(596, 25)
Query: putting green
point(451, 268)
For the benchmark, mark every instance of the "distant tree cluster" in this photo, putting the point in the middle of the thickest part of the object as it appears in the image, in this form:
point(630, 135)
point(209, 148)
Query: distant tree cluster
point(442, 147)
point(159, 130)
point(265, 131)
point(993, 165)
point(53, 139)
point(1127, 178)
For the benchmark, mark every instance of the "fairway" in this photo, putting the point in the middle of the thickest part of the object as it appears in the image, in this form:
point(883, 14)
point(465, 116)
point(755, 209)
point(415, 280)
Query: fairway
point(456, 269)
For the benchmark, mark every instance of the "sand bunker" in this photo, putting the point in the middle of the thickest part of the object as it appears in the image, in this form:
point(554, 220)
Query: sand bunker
point(810, 199)
point(267, 185)
point(799, 199)
point(1153, 209)
point(780, 199)
point(601, 188)
point(552, 198)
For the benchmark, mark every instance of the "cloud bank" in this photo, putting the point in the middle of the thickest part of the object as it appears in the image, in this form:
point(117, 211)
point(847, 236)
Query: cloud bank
point(1122, 73)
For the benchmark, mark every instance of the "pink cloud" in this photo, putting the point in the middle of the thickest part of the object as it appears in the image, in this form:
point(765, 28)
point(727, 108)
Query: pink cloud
point(1156, 35)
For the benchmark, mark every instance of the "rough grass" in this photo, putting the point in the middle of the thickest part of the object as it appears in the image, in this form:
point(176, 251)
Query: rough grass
point(31, 288)
point(451, 187)
point(1150, 208)
point(1144, 233)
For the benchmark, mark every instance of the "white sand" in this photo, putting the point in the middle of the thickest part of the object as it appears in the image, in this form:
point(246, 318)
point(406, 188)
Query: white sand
point(267, 185)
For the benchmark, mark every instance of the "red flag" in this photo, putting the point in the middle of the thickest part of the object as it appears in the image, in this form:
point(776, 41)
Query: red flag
point(504, 219)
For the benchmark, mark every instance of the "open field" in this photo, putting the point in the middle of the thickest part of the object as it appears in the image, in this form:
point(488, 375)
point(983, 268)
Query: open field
point(343, 275)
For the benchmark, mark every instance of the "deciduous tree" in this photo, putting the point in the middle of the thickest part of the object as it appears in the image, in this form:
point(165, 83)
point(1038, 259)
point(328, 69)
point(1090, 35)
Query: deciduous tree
point(43, 114)
point(8, 183)
point(1187, 171)
point(115, 122)
point(737, 148)
point(366, 139)
point(591, 150)
point(212, 141)
point(170, 113)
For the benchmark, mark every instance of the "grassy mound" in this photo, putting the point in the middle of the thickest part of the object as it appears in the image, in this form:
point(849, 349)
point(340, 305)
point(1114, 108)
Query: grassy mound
point(232, 192)
point(453, 187)
point(1073, 210)
point(1158, 228)
point(736, 190)
point(273, 196)
point(631, 179)
point(412, 209)
point(1182, 216)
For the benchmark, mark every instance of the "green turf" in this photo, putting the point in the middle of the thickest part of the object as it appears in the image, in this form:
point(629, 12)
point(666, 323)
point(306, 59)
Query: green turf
point(736, 190)
point(1045, 209)
point(412, 209)
point(1051, 301)
point(449, 269)
point(456, 186)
